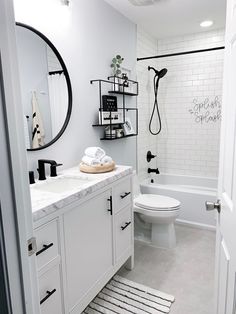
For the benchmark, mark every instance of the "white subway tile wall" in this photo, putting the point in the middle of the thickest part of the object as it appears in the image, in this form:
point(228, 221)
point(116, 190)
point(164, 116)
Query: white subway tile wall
point(146, 46)
point(189, 97)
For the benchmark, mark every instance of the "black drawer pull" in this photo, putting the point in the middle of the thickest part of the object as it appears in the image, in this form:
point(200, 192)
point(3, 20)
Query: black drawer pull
point(49, 293)
point(45, 248)
point(111, 208)
point(126, 194)
point(125, 226)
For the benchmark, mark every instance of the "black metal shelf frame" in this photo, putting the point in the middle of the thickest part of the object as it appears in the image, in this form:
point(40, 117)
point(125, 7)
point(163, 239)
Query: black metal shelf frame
point(123, 108)
point(116, 138)
point(121, 93)
point(113, 78)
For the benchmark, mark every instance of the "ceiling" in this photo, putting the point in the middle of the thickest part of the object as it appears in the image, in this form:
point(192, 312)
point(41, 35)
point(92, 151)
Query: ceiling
point(168, 18)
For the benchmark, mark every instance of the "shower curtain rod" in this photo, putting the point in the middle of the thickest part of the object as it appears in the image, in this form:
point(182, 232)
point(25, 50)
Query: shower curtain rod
point(181, 53)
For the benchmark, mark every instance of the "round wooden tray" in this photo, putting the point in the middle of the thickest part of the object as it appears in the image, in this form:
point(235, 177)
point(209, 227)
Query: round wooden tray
point(97, 169)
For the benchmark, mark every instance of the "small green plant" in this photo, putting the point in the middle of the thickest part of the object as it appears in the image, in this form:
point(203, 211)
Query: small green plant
point(116, 63)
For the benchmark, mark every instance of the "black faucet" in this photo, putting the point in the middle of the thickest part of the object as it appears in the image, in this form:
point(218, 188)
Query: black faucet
point(41, 168)
point(154, 170)
point(150, 156)
point(31, 177)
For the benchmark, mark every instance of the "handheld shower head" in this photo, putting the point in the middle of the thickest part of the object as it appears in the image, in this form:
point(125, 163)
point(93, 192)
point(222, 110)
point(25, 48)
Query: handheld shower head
point(160, 73)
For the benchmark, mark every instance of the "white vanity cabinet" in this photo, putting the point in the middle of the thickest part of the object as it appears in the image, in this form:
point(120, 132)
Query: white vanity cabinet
point(123, 233)
point(88, 246)
point(50, 291)
point(98, 241)
point(123, 219)
point(47, 239)
point(82, 245)
point(49, 268)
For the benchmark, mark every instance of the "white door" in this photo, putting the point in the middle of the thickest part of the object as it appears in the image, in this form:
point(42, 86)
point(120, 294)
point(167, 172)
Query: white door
point(15, 204)
point(226, 220)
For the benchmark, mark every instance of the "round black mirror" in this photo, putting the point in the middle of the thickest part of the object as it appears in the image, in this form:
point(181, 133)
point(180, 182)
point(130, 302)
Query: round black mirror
point(45, 88)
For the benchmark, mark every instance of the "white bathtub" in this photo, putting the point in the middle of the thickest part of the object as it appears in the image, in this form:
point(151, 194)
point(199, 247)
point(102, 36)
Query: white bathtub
point(192, 192)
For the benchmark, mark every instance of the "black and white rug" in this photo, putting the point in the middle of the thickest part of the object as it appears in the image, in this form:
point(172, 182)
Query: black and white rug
point(122, 296)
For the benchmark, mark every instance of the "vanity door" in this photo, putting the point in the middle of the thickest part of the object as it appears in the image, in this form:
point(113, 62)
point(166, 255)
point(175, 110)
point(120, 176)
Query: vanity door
point(88, 247)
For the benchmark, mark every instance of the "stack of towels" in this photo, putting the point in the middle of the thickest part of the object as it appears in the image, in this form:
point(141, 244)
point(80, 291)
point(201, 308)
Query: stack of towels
point(96, 156)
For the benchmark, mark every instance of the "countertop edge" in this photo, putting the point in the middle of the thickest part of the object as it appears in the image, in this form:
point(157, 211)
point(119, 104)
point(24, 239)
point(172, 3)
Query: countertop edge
point(105, 179)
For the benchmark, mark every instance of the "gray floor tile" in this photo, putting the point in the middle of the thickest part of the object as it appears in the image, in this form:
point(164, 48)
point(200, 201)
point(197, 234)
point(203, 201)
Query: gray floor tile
point(187, 272)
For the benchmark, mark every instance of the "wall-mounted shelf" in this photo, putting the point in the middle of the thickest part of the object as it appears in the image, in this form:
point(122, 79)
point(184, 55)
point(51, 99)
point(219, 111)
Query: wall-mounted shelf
point(116, 138)
point(120, 114)
point(98, 125)
point(122, 93)
point(122, 86)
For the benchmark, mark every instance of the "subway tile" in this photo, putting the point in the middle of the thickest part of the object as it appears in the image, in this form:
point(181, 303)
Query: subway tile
point(183, 147)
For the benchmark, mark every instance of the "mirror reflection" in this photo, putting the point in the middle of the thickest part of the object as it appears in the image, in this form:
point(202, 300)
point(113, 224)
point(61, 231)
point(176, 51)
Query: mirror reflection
point(44, 89)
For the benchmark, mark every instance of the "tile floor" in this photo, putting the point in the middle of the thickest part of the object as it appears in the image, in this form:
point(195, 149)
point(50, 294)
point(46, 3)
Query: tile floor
point(187, 272)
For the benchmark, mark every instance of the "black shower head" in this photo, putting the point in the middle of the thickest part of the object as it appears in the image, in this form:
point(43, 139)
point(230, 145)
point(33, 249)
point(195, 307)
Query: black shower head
point(160, 73)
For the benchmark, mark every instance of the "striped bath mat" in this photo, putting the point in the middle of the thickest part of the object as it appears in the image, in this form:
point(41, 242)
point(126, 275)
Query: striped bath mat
point(122, 296)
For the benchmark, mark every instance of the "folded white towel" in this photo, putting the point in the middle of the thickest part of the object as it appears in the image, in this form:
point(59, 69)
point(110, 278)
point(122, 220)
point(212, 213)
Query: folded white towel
point(95, 152)
point(106, 159)
point(91, 161)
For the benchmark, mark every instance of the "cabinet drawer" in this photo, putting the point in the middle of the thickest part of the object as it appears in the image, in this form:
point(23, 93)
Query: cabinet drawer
point(123, 230)
point(47, 243)
point(50, 292)
point(122, 194)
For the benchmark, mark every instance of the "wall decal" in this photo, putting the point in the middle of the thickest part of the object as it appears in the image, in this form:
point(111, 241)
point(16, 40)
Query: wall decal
point(207, 110)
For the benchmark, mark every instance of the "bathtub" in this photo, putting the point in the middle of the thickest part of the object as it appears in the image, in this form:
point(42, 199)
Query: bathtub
point(191, 191)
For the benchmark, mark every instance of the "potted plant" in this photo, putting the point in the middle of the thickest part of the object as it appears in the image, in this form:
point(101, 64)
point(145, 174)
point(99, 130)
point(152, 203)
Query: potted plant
point(115, 65)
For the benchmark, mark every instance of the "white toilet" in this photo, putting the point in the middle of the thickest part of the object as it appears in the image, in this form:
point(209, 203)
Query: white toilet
point(161, 211)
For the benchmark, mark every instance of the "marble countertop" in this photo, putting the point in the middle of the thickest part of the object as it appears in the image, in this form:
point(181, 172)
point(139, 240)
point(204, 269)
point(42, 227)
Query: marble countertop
point(46, 201)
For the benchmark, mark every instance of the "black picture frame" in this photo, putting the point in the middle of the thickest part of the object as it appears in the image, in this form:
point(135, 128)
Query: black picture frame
point(67, 77)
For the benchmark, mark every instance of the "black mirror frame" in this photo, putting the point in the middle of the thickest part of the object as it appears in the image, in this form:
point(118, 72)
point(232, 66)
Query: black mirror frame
point(68, 115)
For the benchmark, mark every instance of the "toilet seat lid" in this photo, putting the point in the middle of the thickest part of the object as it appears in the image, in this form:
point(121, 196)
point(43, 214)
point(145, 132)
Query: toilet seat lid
point(157, 202)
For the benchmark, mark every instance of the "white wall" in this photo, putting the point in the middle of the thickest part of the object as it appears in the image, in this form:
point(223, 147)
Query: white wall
point(185, 145)
point(87, 34)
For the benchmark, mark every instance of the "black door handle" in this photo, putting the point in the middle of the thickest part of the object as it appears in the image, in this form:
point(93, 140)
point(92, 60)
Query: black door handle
point(49, 294)
point(45, 247)
point(124, 195)
point(111, 205)
point(125, 226)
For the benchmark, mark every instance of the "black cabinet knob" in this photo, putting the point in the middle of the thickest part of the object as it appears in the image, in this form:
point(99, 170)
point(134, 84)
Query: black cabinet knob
point(48, 295)
point(124, 195)
point(45, 248)
point(125, 226)
point(111, 205)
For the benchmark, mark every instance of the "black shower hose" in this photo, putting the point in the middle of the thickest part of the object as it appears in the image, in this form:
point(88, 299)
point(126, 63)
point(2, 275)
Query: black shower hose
point(155, 106)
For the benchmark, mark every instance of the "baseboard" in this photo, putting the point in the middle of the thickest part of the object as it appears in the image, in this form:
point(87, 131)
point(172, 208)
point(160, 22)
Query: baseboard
point(195, 225)
point(143, 241)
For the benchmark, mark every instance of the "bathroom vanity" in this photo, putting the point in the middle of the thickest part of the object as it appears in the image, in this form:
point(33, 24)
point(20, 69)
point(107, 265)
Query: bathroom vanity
point(83, 223)
point(84, 233)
